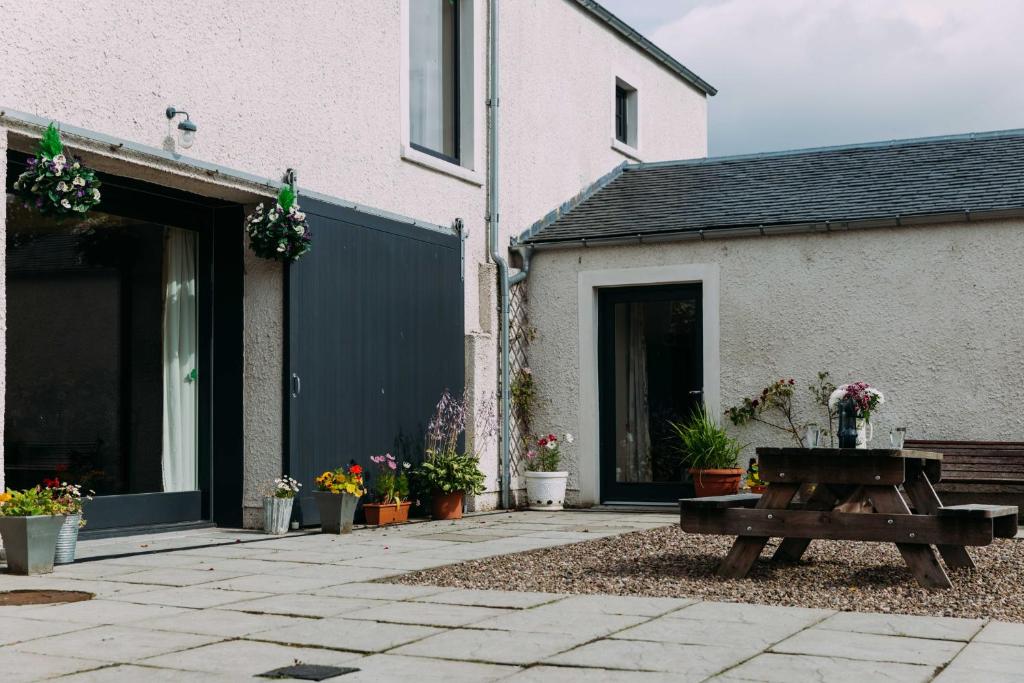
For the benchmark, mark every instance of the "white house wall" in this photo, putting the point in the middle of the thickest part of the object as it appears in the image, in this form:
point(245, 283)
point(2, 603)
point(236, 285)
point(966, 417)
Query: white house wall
point(932, 315)
point(316, 86)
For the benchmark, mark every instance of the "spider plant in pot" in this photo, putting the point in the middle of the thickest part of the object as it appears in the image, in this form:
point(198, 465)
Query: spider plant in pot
point(710, 454)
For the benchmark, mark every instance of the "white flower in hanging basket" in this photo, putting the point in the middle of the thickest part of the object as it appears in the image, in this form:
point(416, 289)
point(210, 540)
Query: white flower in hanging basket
point(280, 233)
point(49, 185)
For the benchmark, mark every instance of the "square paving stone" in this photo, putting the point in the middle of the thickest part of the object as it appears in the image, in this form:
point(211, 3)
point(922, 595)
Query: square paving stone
point(99, 612)
point(624, 604)
point(248, 658)
point(560, 674)
point(751, 614)
point(177, 576)
point(691, 662)
point(940, 628)
point(399, 563)
point(426, 614)
point(773, 668)
point(871, 647)
point(750, 638)
point(390, 667)
point(189, 596)
point(347, 634)
point(1002, 633)
point(985, 663)
point(18, 629)
point(219, 622)
point(304, 605)
point(268, 583)
point(554, 619)
point(381, 591)
point(94, 570)
point(115, 643)
point(485, 598)
point(129, 673)
point(496, 647)
point(19, 667)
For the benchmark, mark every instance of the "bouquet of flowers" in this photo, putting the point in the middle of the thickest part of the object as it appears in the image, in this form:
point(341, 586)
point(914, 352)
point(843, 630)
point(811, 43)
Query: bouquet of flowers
point(342, 480)
point(547, 455)
point(390, 484)
point(865, 398)
point(280, 232)
point(54, 184)
point(285, 487)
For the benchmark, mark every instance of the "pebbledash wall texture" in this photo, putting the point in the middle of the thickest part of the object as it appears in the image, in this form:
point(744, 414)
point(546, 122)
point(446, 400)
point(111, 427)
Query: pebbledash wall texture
point(932, 315)
point(338, 120)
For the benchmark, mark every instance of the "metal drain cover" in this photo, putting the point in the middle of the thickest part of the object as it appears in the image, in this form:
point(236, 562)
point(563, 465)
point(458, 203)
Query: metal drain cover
point(308, 672)
point(41, 597)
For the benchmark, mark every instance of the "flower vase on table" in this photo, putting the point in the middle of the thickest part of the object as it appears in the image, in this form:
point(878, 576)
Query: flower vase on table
point(854, 403)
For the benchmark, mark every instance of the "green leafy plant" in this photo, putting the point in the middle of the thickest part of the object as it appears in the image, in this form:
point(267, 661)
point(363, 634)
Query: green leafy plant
point(703, 444)
point(450, 473)
point(523, 393)
point(547, 455)
point(390, 485)
point(31, 502)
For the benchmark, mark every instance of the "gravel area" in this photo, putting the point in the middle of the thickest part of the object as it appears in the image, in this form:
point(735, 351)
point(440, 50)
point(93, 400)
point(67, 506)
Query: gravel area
point(861, 577)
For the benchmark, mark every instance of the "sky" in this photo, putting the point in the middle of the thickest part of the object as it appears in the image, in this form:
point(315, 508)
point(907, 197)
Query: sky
point(808, 73)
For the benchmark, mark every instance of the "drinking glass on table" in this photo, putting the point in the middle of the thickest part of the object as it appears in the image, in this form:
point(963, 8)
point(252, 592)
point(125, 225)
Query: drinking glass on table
point(897, 435)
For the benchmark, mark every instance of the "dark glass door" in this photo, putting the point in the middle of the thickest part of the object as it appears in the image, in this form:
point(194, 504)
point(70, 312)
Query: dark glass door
point(651, 374)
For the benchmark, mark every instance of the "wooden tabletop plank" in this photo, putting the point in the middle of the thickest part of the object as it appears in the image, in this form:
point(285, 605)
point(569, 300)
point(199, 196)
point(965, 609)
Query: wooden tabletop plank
point(859, 452)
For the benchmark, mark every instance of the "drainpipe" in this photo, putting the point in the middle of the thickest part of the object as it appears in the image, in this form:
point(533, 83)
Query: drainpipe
point(504, 450)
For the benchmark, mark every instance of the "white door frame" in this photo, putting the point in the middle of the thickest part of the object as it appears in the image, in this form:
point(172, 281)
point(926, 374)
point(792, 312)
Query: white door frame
point(589, 282)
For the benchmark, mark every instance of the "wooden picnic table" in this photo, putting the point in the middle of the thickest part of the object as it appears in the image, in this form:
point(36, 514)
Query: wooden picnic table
point(850, 495)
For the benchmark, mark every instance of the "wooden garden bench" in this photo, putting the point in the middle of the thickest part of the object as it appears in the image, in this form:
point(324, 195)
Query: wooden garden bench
point(982, 471)
point(849, 495)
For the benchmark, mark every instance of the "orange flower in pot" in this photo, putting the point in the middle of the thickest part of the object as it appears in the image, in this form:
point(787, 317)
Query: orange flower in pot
point(710, 454)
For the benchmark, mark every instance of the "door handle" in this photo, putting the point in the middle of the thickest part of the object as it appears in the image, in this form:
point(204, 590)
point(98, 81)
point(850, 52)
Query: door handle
point(296, 385)
point(697, 393)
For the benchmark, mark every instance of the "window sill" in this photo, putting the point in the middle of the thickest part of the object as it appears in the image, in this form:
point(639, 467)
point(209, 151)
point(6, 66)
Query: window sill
point(622, 148)
point(419, 158)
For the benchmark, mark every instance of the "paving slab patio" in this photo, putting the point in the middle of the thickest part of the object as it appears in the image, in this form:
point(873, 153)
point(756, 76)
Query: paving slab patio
point(224, 605)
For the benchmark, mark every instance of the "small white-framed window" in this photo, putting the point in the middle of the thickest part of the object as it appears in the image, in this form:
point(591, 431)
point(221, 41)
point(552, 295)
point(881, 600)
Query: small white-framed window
point(438, 78)
point(625, 132)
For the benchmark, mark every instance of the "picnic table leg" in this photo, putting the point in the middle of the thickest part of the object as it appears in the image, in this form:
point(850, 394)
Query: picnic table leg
point(926, 500)
point(920, 558)
point(747, 549)
point(792, 549)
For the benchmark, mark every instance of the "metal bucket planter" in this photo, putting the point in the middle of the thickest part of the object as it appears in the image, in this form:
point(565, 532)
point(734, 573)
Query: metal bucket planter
point(337, 511)
point(67, 539)
point(30, 542)
point(277, 514)
point(546, 490)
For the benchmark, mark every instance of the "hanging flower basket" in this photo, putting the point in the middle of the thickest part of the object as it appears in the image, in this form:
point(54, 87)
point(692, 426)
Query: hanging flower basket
point(52, 184)
point(280, 232)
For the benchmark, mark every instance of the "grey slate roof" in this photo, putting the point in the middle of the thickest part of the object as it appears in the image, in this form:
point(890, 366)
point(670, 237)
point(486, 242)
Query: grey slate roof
point(977, 173)
point(631, 34)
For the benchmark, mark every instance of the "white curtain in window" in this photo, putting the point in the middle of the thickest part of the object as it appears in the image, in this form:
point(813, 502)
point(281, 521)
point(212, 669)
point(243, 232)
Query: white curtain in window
point(638, 418)
point(180, 344)
point(426, 73)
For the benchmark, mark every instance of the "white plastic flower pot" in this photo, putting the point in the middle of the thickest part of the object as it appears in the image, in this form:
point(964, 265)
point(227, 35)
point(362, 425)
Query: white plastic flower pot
point(546, 490)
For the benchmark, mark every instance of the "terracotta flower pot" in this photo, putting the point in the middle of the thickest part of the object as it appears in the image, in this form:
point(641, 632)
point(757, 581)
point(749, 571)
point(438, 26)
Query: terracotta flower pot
point(446, 505)
point(716, 482)
point(379, 514)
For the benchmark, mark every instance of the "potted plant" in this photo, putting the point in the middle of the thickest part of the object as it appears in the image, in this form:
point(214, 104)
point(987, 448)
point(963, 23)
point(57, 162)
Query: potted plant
point(29, 523)
point(445, 474)
point(711, 454)
point(54, 184)
point(545, 483)
point(68, 499)
point(277, 507)
point(390, 492)
point(338, 492)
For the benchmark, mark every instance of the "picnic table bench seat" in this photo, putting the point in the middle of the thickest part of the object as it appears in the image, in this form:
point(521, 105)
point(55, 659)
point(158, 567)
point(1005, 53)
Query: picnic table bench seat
point(979, 471)
point(739, 500)
point(1004, 517)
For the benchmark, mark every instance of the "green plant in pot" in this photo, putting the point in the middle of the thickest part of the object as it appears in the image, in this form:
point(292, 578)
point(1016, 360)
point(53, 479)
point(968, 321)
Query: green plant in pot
point(711, 455)
point(30, 521)
point(446, 475)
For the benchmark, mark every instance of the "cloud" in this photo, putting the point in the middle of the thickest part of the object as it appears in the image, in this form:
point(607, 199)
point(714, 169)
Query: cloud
point(799, 73)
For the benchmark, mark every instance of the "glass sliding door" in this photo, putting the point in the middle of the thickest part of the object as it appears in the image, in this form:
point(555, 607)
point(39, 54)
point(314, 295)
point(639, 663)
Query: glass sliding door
point(651, 373)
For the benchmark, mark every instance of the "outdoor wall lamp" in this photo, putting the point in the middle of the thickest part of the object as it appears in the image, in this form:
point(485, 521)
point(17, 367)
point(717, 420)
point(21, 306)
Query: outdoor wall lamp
point(186, 128)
